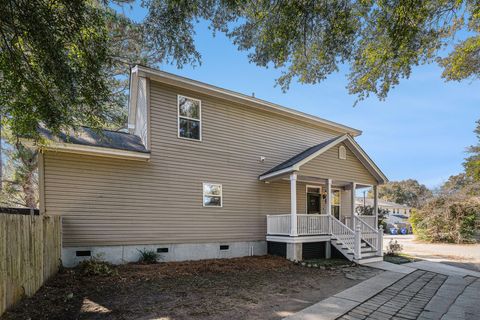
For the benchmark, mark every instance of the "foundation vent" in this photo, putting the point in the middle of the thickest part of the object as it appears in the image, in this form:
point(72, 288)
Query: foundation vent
point(83, 253)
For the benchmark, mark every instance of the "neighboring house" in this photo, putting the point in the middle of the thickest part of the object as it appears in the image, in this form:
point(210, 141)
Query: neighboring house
point(391, 207)
point(205, 172)
point(397, 213)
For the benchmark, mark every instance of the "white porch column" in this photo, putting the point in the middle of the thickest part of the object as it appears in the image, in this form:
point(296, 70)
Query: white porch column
point(375, 205)
point(353, 199)
point(329, 211)
point(329, 196)
point(293, 205)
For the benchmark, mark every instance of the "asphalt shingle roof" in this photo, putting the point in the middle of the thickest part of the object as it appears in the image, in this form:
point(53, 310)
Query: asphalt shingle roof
point(104, 139)
point(299, 157)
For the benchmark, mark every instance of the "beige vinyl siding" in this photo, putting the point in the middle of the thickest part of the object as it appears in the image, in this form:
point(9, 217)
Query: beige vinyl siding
point(345, 205)
point(112, 201)
point(328, 165)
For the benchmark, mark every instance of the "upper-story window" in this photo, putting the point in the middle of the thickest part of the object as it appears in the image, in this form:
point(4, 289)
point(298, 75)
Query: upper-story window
point(189, 118)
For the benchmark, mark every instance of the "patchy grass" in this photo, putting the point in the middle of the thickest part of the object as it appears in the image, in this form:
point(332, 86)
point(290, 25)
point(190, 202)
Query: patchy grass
point(244, 288)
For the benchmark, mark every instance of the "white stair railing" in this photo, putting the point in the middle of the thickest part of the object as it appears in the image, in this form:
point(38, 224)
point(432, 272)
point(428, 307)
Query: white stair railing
point(342, 233)
point(369, 234)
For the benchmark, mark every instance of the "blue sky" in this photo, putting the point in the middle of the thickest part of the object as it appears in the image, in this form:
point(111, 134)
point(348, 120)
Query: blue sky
point(421, 131)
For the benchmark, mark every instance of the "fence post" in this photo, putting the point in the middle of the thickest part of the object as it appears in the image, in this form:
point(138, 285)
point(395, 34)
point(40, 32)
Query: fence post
point(357, 251)
point(380, 242)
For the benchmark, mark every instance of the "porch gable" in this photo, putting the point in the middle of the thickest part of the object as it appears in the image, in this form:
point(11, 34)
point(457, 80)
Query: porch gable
point(324, 158)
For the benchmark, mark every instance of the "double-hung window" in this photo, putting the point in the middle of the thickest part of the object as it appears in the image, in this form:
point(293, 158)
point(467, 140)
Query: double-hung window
point(189, 118)
point(212, 195)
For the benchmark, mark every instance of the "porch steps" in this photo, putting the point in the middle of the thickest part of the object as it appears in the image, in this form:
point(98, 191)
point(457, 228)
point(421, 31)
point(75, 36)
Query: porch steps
point(368, 254)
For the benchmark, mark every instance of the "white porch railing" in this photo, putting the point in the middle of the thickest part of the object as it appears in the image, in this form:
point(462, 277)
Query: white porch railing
point(323, 224)
point(312, 224)
point(278, 224)
point(307, 224)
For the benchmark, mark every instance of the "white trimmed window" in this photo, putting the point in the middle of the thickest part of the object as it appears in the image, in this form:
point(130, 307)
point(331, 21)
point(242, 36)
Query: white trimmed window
point(212, 195)
point(189, 118)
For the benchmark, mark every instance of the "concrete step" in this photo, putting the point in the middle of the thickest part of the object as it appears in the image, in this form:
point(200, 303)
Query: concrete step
point(368, 260)
point(368, 254)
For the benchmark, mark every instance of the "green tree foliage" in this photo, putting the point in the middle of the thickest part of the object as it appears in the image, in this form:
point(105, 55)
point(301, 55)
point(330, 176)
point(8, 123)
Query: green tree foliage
point(447, 219)
point(63, 62)
point(113, 41)
point(464, 61)
point(380, 40)
point(472, 163)
point(409, 192)
point(53, 59)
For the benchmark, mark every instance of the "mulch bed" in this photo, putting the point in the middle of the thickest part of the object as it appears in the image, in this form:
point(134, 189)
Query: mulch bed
point(245, 288)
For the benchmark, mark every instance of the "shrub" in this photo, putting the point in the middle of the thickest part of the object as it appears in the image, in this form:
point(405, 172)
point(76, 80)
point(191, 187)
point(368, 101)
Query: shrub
point(447, 219)
point(97, 267)
point(148, 256)
point(394, 248)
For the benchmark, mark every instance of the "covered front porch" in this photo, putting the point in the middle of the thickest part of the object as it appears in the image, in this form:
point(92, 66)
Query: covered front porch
point(328, 175)
point(311, 223)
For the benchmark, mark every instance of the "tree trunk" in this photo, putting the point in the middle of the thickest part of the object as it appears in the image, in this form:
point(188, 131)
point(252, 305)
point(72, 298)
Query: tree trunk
point(29, 191)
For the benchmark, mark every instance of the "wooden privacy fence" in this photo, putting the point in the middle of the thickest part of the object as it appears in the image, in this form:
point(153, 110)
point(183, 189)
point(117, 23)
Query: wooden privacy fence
point(30, 248)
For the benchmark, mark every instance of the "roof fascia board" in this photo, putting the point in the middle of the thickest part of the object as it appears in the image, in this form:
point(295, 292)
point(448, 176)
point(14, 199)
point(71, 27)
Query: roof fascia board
point(193, 85)
point(89, 150)
point(276, 173)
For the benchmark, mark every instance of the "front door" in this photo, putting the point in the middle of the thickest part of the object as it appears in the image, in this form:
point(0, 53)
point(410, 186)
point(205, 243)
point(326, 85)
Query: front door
point(313, 200)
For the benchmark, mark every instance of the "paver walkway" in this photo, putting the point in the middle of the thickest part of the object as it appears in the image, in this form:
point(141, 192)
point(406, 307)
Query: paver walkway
point(424, 291)
point(405, 299)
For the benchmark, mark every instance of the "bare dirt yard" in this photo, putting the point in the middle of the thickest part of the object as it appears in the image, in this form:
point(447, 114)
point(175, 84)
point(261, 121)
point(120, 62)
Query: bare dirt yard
point(459, 255)
point(244, 288)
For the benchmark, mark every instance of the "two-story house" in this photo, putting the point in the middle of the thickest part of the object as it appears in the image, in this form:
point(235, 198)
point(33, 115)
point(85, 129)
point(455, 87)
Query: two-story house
point(205, 172)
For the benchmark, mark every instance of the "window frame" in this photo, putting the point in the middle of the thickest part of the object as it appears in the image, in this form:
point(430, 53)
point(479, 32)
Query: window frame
point(320, 190)
point(212, 195)
point(188, 118)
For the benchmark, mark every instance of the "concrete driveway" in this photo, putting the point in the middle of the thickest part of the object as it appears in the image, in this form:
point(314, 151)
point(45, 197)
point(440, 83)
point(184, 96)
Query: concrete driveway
point(461, 255)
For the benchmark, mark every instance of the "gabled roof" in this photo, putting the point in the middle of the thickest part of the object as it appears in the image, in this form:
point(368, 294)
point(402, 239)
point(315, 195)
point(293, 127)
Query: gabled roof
point(299, 157)
point(214, 91)
point(105, 139)
point(106, 143)
point(294, 163)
